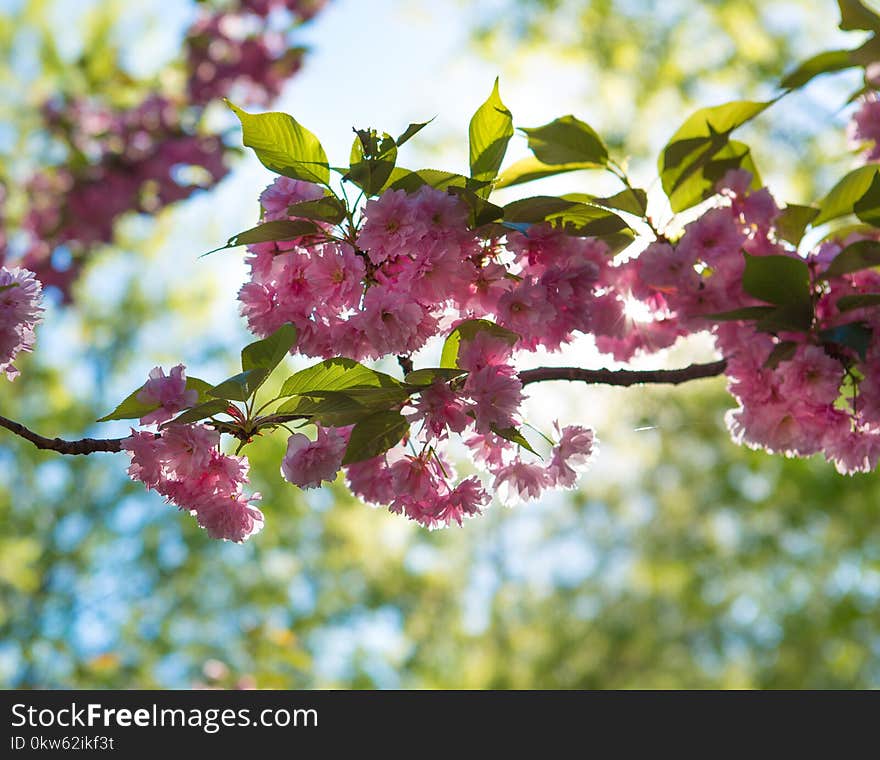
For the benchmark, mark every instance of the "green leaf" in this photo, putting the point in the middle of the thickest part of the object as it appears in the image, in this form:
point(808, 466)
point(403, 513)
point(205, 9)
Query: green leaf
point(200, 412)
point(372, 160)
point(411, 131)
point(842, 198)
point(633, 200)
point(468, 330)
point(374, 435)
point(268, 353)
point(429, 376)
point(537, 208)
point(792, 222)
point(381, 397)
point(782, 352)
point(410, 181)
point(529, 169)
point(617, 241)
point(574, 216)
point(699, 153)
point(327, 209)
point(780, 280)
point(490, 130)
point(823, 63)
point(276, 231)
point(855, 16)
point(339, 408)
point(284, 146)
point(514, 435)
point(867, 208)
point(843, 231)
point(720, 119)
point(787, 318)
point(131, 408)
point(867, 54)
point(860, 301)
point(240, 387)
point(747, 313)
point(696, 178)
point(567, 140)
point(481, 211)
point(861, 255)
point(855, 335)
point(200, 386)
point(336, 374)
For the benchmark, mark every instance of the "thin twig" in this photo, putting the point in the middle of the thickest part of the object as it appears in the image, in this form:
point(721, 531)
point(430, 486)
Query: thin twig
point(82, 446)
point(620, 377)
point(624, 377)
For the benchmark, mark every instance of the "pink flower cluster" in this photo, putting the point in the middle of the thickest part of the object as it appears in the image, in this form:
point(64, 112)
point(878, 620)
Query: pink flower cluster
point(20, 311)
point(183, 462)
point(139, 160)
point(153, 154)
point(820, 396)
point(422, 484)
point(416, 268)
point(864, 129)
point(239, 55)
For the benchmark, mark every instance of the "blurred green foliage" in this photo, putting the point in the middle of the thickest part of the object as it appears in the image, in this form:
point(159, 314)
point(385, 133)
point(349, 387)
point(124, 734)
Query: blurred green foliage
point(684, 561)
point(647, 64)
point(696, 564)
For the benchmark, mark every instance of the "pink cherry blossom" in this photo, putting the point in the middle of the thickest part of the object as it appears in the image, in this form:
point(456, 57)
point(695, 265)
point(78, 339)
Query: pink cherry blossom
point(189, 448)
point(170, 392)
point(667, 268)
point(441, 409)
point(336, 274)
point(146, 463)
point(571, 455)
point(520, 481)
point(372, 479)
point(285, 192)
point(394, 325)
point(230, 517)
point(308, 463)
point(467, 499)
point(712, 237)
point(811, 375)
point(183, 464)
point(20, 312)
point(853, 451)
point(526, 310)
point(865, 127)
point(389, 230)
point(484, 350)
point(496, 393)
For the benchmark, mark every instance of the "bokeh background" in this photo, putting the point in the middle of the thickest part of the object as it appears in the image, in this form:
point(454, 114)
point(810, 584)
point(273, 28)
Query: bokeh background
point(682, 561)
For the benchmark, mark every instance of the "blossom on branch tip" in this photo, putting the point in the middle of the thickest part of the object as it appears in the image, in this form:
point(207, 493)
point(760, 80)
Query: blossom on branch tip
point(170, 392)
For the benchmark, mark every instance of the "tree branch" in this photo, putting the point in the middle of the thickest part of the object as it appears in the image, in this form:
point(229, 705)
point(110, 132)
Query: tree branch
point(620, 377)
point(82, 446)
point(624, 377)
